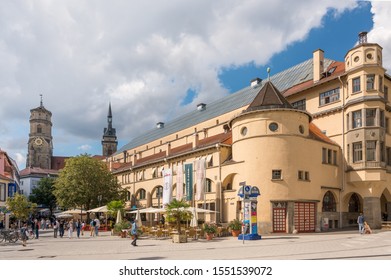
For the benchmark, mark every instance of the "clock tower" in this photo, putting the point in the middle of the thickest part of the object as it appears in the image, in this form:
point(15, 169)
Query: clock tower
point(109, 141)
point(40, 144)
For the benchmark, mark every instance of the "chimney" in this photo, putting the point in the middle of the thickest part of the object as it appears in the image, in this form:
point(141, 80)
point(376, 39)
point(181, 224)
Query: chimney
point(255, 82)
point(318, 61)
point(201, 107)
point(160, 125)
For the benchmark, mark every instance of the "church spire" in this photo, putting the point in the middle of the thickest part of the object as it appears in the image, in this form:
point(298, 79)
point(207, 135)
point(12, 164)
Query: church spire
point(109, 118)
point(109, 141)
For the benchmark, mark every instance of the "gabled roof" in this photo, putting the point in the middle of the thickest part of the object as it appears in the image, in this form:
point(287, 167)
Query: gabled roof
point(282, 81)
point(37, 171)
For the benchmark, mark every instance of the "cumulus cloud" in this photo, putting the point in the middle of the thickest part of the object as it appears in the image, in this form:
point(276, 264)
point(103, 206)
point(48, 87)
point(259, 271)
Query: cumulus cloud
point(142, 58)
point(85, 147)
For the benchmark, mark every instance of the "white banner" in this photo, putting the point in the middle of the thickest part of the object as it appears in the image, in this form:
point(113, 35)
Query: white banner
point(200, 188)
point(179, 182)
point(167, 186)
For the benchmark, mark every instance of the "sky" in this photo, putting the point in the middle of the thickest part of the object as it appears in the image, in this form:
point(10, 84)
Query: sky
point(155, 62)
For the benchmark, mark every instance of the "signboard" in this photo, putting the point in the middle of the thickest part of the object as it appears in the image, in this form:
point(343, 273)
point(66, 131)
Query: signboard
point(189, 181)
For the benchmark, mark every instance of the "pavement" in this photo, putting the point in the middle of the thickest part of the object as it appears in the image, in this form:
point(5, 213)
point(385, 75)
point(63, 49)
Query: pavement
point(346, 244)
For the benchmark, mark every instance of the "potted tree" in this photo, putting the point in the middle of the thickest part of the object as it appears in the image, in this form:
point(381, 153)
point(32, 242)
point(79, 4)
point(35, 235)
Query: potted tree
point(236, 227)
point(177, 213)
point(210, 230)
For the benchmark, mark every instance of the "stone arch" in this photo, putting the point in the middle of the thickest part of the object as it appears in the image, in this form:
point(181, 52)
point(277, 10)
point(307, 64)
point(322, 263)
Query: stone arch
point(228, 182)
point(352, 206)
point(385, 205)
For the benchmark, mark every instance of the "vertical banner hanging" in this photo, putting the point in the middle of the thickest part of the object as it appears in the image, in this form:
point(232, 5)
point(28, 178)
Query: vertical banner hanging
point(200, 187)
point(167, 186)
point(189, 181)
point(179, 182)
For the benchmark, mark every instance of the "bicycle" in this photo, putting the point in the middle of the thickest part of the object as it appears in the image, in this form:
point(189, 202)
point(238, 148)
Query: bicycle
point(11, 236)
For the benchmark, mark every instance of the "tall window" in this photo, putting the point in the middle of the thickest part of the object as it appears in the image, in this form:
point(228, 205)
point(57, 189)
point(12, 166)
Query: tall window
point(328, 204)
point(2, 192)
point(356, 119)
point(386, 93)
point(208, 186)
point(354, 204)
point(39, 129)
point(381, 83)
point(329, 96)
point(370, 82)
point(371, 150)
point(382, 119)
point(388, 151)
point(356, 84)
point(159, 192)
point(357, 151)
point(370, 117)
point(299, 105)
point(141, 194)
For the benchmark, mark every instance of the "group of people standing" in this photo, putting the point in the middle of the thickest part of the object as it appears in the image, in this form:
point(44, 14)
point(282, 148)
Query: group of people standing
point(59, 227)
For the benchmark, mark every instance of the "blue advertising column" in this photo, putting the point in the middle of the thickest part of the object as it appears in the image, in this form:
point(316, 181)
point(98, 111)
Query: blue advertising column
point(250, 225)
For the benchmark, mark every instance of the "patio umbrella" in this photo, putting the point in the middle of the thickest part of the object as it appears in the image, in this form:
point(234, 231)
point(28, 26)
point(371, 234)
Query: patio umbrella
point(63, 215)
point(138, 218)
point(102, 209)
point(194, 220)
point(119, 217)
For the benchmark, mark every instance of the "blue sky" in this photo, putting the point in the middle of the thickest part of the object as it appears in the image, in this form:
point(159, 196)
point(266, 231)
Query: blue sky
point(153, 69)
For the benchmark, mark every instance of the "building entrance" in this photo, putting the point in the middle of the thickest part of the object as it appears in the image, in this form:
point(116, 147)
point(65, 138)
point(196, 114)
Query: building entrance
point(305, 216)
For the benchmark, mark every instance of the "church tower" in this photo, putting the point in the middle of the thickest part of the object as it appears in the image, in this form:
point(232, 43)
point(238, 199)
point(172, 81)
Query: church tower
point(109, 141)
point(40, 143)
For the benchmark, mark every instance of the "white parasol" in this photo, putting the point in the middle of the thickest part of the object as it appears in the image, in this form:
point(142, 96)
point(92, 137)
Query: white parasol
point(138, 219)
point(119, 217)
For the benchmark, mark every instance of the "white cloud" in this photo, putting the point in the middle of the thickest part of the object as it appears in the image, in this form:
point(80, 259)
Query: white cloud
point(142, 57)
point(85, 147)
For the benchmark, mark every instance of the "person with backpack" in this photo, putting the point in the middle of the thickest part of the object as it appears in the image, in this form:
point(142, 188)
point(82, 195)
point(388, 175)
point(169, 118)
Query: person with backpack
point(134, 232)
point(92, 228)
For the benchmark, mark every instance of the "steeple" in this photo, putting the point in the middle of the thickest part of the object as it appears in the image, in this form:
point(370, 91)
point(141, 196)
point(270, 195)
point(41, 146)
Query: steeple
point(109, 141)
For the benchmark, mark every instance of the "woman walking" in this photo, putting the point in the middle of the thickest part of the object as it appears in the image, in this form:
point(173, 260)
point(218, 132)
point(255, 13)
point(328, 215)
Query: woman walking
point(70, 229)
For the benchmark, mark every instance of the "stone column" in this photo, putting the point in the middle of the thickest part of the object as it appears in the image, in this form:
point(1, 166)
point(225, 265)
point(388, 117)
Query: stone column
point(372, 211)
point(290, 216)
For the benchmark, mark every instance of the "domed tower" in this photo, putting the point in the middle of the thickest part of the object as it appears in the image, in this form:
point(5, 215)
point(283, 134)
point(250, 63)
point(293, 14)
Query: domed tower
point(274, 143)
point(40, 144)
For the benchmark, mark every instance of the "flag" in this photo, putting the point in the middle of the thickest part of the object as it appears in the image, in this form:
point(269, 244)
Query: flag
point(189, 181)
point(200, 187)
point(179, 182)
point(167, 186)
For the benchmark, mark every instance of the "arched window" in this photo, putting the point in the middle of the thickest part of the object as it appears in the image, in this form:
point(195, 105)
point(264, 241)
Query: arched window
point(354, 204)
point(329, 204)
point(141, 194)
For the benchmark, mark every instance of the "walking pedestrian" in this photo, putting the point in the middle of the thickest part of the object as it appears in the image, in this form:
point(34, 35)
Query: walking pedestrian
point(83, 227)
point(360, 222)
point(134, 232)
point(36, 228)
point(24, 232)
point(61, 228)
point(55, 228)
point(78, 228)
point(97, 225)
point(70, 229)
point(92, 228)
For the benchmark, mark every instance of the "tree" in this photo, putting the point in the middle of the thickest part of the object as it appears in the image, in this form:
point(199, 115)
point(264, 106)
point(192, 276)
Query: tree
point(177, 213)
point(20, 207)
point(86, 182)
point(43, 194)
point(115, 205)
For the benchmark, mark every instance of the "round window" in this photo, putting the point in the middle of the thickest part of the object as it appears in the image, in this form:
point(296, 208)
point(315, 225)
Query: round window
point(244, 131)
point(273, 126)
point(369, 56)
point(301, 129)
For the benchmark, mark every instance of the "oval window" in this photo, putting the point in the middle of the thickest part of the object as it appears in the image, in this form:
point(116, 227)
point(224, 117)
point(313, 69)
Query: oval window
point(356, 59)
point(243, 131)
point(273, 126)
point(301, 129)
point(369, 56)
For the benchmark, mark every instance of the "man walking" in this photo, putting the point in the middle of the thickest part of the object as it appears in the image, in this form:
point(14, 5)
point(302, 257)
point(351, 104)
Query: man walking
point(134, 232)
point(55, 228)
point(360, 222)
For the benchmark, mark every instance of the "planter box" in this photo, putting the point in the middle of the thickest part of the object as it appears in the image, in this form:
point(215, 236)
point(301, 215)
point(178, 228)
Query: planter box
point(179, 238)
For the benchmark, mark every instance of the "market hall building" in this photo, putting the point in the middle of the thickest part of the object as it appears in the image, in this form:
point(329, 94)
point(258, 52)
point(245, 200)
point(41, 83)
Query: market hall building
point(314, 138)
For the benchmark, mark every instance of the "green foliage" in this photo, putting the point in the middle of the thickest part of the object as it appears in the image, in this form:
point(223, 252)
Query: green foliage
point(120, 226)
point(235, 225)
point(210, 228)
point(43, 194)
point(83, 181)
point(115, 205)
point(177, 213)
point(20, 207)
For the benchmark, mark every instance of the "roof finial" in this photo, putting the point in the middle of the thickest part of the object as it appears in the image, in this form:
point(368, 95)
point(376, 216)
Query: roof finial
point(41, 100)
point(268, 73)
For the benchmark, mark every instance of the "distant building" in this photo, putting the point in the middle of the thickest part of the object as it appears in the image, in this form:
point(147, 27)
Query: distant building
point(315, 140)
point(9, 183)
